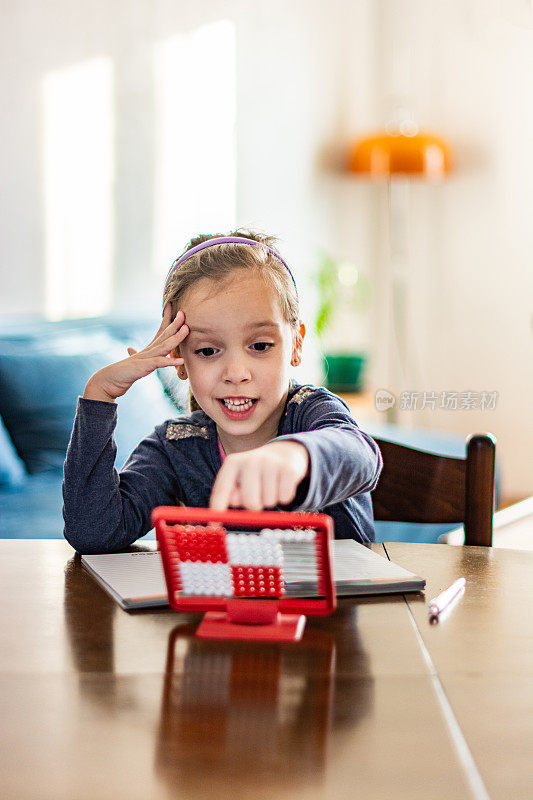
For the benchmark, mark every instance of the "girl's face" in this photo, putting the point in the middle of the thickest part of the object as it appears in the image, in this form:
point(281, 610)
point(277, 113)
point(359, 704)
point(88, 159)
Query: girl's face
point(237, 356)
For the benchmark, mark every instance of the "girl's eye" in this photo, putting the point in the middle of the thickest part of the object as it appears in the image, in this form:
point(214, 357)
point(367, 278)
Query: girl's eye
point(262, 347)
point(205, 351)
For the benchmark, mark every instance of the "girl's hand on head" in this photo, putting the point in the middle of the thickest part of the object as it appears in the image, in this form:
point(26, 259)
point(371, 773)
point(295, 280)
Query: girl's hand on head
point(262, 478)
point(114, 380)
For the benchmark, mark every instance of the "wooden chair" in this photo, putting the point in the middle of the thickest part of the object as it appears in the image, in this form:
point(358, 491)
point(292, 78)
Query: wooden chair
point(417, 486)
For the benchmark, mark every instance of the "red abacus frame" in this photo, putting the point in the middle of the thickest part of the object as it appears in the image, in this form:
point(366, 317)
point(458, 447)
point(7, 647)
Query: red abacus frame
point(268, 618)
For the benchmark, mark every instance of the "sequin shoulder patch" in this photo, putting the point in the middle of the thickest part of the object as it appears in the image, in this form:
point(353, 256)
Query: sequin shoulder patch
point(184, 430)
point(301, 394)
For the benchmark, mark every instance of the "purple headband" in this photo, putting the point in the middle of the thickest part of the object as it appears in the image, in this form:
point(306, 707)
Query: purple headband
point(224, 240)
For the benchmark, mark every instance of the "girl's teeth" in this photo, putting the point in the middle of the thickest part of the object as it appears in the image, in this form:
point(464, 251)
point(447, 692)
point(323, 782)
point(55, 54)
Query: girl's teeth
point(240, 405)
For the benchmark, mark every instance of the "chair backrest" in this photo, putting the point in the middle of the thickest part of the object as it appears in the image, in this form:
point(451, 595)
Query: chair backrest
point(417, 486)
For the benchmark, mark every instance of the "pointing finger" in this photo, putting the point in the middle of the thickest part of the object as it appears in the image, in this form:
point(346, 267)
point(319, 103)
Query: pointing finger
point(225, 483)
point(251, 489)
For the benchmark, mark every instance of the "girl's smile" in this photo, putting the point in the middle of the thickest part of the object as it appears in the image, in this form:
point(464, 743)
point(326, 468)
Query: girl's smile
point(237, 356)
point(238, 408)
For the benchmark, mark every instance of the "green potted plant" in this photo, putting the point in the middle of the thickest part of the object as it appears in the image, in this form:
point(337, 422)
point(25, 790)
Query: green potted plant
point(343, 297)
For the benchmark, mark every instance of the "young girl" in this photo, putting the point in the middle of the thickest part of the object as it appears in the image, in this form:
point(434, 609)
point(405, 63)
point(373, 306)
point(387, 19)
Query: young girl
point(257, 439)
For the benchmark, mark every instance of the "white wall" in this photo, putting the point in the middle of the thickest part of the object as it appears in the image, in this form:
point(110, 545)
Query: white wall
point(310, 76)
point(467, 73)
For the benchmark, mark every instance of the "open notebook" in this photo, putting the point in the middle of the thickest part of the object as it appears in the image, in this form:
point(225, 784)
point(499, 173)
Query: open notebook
point(136, 580)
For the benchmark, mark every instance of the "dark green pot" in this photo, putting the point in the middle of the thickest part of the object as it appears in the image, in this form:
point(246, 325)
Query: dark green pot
point(344, 372)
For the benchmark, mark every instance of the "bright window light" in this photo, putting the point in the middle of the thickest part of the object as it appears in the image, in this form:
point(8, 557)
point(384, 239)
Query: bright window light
point(78, 140)
point(195, 135)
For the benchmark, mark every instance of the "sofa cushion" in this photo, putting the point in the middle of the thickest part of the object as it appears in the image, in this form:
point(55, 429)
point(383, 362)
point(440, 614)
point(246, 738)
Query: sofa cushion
point(12, 469)
point(40, 381)
point(132, 330)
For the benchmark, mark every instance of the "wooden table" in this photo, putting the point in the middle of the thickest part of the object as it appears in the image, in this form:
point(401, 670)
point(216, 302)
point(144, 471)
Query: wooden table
point(373, 703)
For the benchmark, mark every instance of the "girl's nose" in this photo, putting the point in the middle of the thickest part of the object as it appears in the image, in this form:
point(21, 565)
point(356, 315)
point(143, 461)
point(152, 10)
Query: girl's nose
point(236, 370)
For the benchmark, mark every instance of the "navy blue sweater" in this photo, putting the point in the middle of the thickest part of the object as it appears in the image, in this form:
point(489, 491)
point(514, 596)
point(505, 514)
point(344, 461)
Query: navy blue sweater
point(106, 511)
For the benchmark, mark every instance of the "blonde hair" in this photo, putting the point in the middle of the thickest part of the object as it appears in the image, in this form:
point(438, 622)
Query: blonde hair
point(219, 261)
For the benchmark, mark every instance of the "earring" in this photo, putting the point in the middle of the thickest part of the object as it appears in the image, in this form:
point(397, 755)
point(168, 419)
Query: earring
point(182, 373)
point(295, 361)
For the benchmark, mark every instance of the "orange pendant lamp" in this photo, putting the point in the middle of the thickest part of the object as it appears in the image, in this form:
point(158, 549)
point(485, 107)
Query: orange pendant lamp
point(384, 154)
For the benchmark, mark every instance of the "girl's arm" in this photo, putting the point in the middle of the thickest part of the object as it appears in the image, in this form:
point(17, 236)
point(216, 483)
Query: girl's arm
point(105, 511)
point(343, 460)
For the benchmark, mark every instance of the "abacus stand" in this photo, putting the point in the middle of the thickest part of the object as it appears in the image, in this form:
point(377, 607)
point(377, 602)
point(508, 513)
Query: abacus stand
point(252, 619)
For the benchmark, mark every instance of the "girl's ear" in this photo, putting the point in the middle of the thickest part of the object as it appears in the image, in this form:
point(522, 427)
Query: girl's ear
point(181, 370)
point(297, 346)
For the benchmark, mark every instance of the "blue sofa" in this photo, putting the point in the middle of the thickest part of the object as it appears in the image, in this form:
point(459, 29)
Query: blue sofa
point(44, 366)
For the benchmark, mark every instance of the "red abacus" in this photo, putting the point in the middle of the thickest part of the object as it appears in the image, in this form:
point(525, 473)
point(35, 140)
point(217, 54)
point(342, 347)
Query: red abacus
point(243, 593)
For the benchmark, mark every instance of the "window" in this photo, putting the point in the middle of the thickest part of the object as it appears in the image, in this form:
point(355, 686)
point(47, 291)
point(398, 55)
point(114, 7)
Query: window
point(78, 164)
